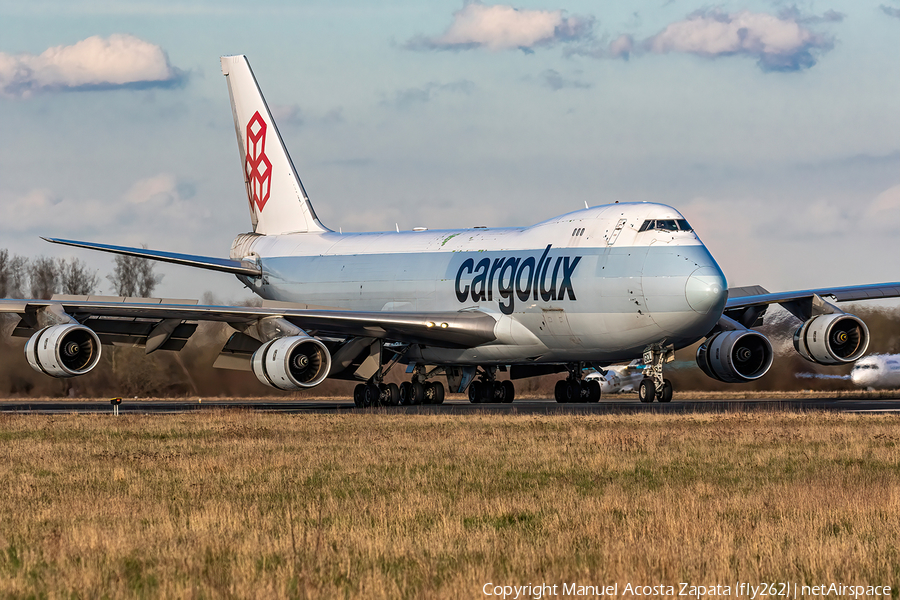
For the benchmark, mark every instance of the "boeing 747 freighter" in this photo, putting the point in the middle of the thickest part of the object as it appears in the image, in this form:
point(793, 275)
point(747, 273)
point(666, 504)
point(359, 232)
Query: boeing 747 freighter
point(597, 286)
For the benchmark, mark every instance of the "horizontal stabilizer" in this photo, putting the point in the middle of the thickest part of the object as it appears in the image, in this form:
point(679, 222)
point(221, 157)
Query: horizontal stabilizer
point(225, 265)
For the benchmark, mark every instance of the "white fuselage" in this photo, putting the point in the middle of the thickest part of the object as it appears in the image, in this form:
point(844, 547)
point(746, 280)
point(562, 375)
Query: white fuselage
point(588, 285)
point(877, 371)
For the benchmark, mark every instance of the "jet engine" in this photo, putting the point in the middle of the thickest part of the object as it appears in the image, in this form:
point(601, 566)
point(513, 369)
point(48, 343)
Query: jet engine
point(63, 350)
point(832, 339)
point(735, 356)
point(292, 363)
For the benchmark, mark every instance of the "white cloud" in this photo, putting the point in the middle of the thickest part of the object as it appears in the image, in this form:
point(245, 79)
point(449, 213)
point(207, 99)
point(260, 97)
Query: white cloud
point(160, 189)
point(884, 211)
point(160, 201)
point(621, 47)
point(120, 60)
point(780, 44)
point(502, 27)
point(287, 114)
point(824, 217)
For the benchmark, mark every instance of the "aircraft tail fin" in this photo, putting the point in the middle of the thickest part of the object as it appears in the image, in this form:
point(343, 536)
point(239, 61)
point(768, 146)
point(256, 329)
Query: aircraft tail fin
point(278, 202)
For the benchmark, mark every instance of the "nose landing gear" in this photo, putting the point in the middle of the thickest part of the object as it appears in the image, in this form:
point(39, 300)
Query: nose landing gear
point(654, 386)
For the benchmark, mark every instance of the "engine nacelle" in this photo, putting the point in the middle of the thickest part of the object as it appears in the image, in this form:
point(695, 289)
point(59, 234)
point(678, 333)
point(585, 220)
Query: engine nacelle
point(832, 339)
point(292, 363)
point(63, 350)
point(735, 356)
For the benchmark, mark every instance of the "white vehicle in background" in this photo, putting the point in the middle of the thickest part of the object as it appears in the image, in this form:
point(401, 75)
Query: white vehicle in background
point(619, 378)
point(877, 371)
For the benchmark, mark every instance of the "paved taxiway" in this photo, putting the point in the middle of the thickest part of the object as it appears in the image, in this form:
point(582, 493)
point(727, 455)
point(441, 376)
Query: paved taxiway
point(455, 406)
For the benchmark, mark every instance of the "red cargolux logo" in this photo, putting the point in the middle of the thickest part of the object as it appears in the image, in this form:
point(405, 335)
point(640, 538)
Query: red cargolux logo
point(257, 165)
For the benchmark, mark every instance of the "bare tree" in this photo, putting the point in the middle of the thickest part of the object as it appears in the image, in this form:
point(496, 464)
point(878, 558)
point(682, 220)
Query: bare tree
point(44, 276)
point(134, 276)
point(13, 275)
point(75, 278)
point(4, 274)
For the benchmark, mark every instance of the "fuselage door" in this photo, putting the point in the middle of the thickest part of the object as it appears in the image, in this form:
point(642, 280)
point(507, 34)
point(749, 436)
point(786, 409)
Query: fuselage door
point(615, 234)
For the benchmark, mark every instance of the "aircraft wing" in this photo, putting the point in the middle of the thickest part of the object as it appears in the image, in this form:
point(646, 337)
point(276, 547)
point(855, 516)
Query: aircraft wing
point(134, 319)
point(747, 305)
point(744, 297)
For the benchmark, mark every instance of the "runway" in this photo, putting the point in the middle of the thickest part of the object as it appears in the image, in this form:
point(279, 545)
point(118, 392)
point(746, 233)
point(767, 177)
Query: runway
point(453, 407)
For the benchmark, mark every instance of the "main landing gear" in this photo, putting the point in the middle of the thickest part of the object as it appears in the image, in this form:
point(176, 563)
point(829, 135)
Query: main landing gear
point(416, 392)
point(574, 388)
point(421, 391)
point(654, 386)
point(488, 389)
point(371, 393)
point(408, 393)
point(375, 392)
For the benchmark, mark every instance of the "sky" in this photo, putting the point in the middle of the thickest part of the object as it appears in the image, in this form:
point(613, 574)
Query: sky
point(774, 127)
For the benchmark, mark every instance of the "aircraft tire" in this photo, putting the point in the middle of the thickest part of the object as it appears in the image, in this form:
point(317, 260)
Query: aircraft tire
point(667, 391)
point(475, 392)
point(593, 389)
point(371, 395)
point(392, 394)
point(560, 391)
point(358, 392)
point(416, 392)
point(509, 391)
point(573, 391)
point(434, 393)
point(647, 390)
point(405, 393)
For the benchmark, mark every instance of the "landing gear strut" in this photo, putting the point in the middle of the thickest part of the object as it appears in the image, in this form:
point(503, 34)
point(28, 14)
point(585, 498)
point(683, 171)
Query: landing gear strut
point(574, 388)
point(654, 386)
point(488, 389)
point(375, 392)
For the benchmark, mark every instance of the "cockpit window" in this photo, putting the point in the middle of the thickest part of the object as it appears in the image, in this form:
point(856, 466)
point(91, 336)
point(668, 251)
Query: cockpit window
point(665, 225)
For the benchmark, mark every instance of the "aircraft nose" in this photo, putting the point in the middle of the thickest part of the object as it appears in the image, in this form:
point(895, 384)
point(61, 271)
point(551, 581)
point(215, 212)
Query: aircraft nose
point(706, 288)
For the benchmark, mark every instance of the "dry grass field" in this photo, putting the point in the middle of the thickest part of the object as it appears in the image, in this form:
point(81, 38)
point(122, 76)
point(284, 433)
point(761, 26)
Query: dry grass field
point(240, 505)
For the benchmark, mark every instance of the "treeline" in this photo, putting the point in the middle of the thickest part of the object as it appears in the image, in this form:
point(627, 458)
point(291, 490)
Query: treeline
point(41, 277)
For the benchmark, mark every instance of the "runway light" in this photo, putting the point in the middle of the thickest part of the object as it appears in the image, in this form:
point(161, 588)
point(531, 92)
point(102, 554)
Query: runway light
point(444, 326)
point(429, 324)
